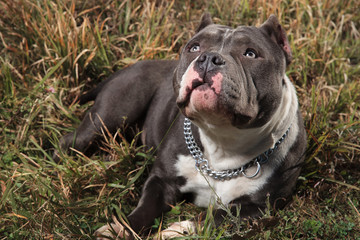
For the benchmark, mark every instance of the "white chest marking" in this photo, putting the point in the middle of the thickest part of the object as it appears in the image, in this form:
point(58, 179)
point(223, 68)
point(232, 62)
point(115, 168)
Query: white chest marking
point(207, 190)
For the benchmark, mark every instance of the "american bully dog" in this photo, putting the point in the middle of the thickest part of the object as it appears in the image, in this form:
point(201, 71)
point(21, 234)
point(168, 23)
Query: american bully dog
point(225, 119)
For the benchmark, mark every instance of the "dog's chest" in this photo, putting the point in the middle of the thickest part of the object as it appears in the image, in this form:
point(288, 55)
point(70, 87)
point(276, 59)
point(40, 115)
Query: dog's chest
point(208, 190)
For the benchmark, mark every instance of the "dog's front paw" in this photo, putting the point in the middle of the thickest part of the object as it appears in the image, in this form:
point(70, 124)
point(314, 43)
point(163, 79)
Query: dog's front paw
point(178, 229)
point(112, 231)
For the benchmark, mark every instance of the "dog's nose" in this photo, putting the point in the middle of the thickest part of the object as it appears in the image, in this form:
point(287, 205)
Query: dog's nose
point(208, 61)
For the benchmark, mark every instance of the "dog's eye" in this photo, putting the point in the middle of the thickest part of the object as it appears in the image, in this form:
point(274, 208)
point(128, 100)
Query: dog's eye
point(195, 48)
point(250, 53)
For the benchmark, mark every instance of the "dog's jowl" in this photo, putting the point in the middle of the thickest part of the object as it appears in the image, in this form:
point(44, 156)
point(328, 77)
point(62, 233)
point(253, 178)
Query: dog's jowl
point(234, 132)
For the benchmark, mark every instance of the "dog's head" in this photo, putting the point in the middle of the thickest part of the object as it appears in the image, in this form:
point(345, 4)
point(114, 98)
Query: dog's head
point(232, 76)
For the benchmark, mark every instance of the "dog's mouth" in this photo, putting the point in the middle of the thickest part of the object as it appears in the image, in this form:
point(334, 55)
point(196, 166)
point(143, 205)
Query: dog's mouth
point(199, 92)
point(197, 85)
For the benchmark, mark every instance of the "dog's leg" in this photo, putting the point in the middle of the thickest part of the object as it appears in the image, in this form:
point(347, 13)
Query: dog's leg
point(188, 227)
point(88, 131)
point(125, 95)
point(158, 194)
point(178, 229)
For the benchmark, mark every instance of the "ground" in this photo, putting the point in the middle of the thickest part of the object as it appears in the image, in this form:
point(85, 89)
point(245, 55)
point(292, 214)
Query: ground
point(52, 51)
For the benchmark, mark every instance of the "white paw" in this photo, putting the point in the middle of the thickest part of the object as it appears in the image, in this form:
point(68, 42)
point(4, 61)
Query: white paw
point(177, 229)
point(112, 231)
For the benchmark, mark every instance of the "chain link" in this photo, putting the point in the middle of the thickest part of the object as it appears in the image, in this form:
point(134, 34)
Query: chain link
point(202, 165)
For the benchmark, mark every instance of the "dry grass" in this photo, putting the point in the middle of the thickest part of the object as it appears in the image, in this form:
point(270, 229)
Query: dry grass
point(51, 51)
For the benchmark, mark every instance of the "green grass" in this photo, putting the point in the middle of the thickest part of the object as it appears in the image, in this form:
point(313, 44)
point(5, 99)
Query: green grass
point(52, 51)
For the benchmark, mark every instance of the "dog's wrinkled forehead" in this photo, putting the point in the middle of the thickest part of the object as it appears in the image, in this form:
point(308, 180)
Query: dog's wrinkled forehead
point(213, 33)
point(269, 38)
point(222, 32)
point(224, 39)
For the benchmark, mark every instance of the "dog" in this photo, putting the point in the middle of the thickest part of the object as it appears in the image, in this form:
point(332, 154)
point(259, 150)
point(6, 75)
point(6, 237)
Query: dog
point(225, 118)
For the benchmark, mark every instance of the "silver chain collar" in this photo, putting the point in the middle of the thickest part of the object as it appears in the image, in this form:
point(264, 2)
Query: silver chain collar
point(202, 165)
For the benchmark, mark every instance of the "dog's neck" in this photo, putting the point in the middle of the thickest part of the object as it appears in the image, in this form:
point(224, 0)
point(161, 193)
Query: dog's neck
point(228, 147)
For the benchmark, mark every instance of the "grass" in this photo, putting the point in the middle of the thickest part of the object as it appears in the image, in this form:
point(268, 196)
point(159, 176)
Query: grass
point(52, 51)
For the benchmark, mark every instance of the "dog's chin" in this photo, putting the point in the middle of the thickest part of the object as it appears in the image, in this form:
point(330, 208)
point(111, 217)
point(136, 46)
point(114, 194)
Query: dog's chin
point(204, 105)
point(214, 115)
point(219, 115)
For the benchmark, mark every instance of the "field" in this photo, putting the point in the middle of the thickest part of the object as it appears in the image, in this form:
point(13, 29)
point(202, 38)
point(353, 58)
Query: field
point(52, 51)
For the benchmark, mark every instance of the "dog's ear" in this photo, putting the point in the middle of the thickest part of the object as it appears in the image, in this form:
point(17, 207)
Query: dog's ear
point(205, 21)
point(273, 28)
